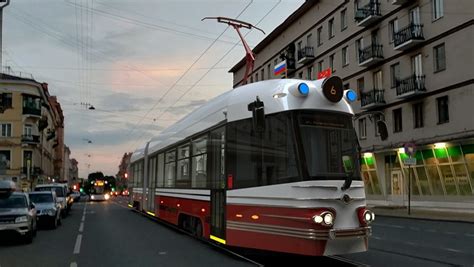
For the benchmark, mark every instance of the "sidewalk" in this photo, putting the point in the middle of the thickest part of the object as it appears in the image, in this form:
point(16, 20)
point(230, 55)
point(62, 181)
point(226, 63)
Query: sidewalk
point(428, 213)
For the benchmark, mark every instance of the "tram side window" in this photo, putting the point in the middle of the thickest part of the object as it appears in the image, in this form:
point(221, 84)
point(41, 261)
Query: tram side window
point(151, 171)
point(170, 168)
point(160, 181)
point(199, 163)
point(140, 173)
point(262, 159)
point(183, 177)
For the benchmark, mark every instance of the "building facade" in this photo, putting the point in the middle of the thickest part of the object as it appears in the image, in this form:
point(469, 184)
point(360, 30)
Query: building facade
point(410, 62)
point(28, 132)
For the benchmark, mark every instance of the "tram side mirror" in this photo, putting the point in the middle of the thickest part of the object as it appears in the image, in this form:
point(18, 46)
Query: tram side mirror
point(258, 115)
point(383, 132)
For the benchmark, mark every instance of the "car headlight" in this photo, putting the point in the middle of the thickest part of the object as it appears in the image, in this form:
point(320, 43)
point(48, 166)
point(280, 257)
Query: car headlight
point(21, 219)
point(107, 196)
point(50, 212)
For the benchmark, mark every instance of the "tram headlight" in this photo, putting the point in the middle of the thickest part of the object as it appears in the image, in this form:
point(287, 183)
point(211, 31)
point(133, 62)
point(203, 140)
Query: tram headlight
point(326, 218)
point(107, 196)
point(369, 216)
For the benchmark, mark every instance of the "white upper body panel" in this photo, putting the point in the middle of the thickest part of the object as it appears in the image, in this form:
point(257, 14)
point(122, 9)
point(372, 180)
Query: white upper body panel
point(233, 106)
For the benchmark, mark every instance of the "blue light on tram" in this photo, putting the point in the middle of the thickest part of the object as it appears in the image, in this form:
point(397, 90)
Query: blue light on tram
point(303, 89)
point(351, 96)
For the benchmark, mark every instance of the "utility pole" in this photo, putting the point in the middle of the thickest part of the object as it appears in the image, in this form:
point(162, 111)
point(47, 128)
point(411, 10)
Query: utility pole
point(3, 3)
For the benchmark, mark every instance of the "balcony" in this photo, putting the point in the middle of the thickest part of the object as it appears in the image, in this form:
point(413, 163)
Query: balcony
point(399, 2)
point(305, 54)
point(370, 55)
point(411, 86)
point(408, 37)
point(31, 110)
point(30, 139)
point(368, 14)
point(33, 170)
point(374, 98)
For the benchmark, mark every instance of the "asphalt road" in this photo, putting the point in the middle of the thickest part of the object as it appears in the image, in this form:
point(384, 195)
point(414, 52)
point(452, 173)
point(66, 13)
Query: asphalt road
point(414, 242)
point(110, 234)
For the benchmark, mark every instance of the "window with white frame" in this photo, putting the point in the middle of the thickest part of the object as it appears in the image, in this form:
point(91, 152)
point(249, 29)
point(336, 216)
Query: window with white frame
point(309, 73)
point(439, 58)
point(319, 36)
point(331, 28)
point(320, 66)
point(392, 29)
point(5, 130)
point(343, 19)
point(345, 56)
point(331, 63)
point(438, 10)
point(5, 159)
point(28, 130)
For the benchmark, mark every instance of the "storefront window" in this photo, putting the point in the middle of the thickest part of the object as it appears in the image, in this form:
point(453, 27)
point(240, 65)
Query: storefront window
point(370, 177)
point(462, 179)
point(449, 180)
point(432, 171)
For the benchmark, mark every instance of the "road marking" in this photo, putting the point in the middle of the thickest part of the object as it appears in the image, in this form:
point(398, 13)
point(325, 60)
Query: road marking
point(376, 237)
point(469, 235)
point(159, 253)
point(431, 231)
point(77, 246)
point(83, 218)
point(452, 250)
point(450, 233)
point(81, 227)
point(410, 243)
point(414, 228)
point(73, 264)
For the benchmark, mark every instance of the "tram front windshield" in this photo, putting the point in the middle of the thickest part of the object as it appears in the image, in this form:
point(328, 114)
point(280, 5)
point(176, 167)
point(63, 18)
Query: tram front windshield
point(330, 146)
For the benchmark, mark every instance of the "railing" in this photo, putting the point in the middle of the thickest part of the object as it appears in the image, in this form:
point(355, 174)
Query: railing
point(375, 96)
point(32, 111)
point(307, 51)
point(410, 32)
point(371, 9)
point(372, 51)
point(411, 84)
point(30, 138)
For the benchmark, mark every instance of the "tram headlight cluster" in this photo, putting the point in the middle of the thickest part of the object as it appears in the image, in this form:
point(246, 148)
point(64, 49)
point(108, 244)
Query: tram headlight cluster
point(326, 218)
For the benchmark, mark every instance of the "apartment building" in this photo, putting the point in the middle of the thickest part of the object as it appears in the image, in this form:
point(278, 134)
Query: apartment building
point(31, 130)
point(411, 63)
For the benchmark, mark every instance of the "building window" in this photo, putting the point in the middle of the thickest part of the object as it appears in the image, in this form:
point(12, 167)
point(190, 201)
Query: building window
point(318, 35)
point(28, 130)
point(300, 43)
point(275, 62)
point(443, 111)
point(360, 87)
point(392, 29)
point(438, 9)
point(5, 159)
point(300, 75)
point(377, 117)
point(345, 56)
point(309, 73)
point(6, 130)
point(262, 73)
point(378, 81)
point(343, 19)
point(439, 58)
point(320, 66)
point(331, 63)
point(418, 115)
point(256, 77)
point(394, 74)
point(5, 100)
point(309, 40)
point(331, 28)
point(362, 128)
point(358, 46)
point(397, 120)
point(269, 72)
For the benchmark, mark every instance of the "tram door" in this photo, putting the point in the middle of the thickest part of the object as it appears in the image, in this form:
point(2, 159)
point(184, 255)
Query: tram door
point(218, 185)
point(151, 184)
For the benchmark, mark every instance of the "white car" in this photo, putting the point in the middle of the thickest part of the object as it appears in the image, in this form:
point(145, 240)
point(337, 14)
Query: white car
point(61, 194)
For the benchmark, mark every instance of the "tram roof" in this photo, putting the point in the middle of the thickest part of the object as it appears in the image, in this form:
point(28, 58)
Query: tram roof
point(233, 106)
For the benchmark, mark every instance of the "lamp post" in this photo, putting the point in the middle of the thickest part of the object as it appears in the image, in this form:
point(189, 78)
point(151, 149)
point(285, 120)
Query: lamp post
point(3, 4)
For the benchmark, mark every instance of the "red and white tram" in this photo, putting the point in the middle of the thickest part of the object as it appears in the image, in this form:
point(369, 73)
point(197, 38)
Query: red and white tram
point(272, 165)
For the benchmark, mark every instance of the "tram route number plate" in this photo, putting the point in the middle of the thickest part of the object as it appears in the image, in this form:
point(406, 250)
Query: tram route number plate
point(409, 161)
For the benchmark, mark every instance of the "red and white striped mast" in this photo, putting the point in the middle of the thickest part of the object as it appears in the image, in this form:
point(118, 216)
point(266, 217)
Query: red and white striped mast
point(249, 56)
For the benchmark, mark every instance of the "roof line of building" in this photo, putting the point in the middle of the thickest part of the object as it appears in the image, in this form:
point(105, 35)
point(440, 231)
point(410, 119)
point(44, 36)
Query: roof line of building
point(308, 4)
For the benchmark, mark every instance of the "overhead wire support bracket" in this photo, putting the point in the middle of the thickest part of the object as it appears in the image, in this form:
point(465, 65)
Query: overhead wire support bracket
point(249, 55)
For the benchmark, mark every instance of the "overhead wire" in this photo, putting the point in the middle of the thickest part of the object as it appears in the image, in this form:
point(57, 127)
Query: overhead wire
point(140, 139)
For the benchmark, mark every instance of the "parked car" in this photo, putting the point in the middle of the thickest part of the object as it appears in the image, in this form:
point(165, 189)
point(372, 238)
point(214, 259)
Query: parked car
point(48, 209)
point(62, 194)
point(17, 212)
point(76, 196)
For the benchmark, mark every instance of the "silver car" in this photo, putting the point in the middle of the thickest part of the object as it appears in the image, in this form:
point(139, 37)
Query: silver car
point(17, 213)
point(47, 207)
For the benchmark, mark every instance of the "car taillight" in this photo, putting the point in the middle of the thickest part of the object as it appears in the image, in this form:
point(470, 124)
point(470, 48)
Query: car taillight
point(365, 216)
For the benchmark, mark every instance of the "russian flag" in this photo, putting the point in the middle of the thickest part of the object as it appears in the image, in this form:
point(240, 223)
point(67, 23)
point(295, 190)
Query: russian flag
point(280, 68)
